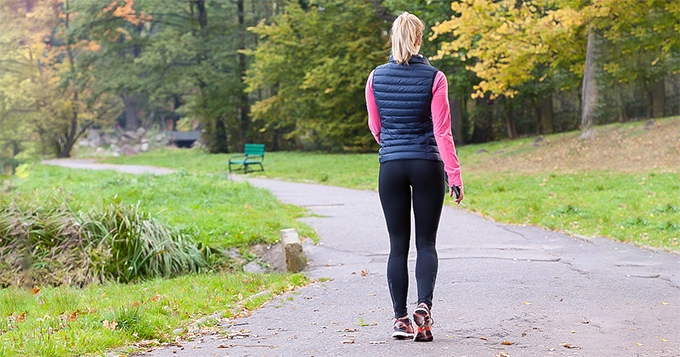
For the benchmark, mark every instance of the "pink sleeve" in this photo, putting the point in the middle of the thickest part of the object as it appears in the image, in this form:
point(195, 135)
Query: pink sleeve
point(441, 118)
point(373, 113)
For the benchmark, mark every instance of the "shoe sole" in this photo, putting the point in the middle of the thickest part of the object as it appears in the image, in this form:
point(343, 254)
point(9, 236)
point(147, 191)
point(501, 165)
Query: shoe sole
point(402, 335)
point(420, 316)
point(422, 337)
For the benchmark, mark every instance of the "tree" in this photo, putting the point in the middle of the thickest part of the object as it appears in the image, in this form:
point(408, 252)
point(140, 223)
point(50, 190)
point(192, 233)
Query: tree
point(316, 77)
point(49, 90)
point(520, 44)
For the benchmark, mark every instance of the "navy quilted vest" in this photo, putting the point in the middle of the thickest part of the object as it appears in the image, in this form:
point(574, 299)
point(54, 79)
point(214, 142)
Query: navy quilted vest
point(403, 95)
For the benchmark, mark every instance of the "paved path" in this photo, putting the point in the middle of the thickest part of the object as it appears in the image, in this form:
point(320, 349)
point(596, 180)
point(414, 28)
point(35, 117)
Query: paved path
point(501, 291)
point(92, 164)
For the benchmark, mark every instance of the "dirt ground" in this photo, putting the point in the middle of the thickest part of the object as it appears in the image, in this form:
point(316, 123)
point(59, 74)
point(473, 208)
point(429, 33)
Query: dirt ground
point(644, 146)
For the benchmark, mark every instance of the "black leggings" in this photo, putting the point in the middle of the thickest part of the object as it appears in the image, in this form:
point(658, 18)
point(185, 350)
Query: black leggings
point(397, 180)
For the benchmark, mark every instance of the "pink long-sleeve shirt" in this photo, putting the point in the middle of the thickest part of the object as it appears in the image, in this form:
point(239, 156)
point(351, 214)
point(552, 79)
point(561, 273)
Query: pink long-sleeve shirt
point(441, 119)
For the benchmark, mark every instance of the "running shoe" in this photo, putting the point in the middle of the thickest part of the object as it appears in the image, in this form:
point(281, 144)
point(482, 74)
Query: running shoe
point(403, 328)
point(423, 321)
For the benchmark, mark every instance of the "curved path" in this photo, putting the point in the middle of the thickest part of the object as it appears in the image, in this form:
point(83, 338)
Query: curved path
point(502, 290)
point(92, 164)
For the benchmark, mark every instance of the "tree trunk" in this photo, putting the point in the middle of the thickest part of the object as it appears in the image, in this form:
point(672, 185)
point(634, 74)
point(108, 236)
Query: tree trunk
point(457, 121)
point(658, 98)
point(202, 14)
point(70, 137)
point(623, 116)
point(547, 116)
point(149, 120)
point(483, 128)
point(64, 147)
point(588, 90)
point(131, 117)
point(244, 105)
point(510, 120)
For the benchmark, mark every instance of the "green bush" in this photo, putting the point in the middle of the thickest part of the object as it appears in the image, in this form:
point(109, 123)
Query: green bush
point(48, 241)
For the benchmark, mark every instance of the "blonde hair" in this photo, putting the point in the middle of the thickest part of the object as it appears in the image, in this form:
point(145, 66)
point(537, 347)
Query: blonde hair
point(406, 37)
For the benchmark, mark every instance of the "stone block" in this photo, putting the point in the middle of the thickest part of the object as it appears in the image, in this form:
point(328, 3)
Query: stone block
point(296, 260)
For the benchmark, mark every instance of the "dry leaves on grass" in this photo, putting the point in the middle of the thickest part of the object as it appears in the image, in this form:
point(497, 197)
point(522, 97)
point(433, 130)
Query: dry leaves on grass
point(628, 147)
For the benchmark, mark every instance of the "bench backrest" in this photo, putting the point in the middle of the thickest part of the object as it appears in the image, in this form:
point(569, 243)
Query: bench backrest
point(254, 149)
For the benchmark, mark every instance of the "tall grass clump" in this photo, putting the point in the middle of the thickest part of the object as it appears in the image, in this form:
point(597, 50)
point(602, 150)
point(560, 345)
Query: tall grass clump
point(47, 240)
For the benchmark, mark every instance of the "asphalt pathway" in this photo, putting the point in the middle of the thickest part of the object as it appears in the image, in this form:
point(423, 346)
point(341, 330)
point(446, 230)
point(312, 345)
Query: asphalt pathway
point(502, 291)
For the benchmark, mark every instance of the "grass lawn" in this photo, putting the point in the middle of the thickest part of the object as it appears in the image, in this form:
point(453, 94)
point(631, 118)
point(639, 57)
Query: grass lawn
point(622, 184)
point(222, 213)
point(66, 321)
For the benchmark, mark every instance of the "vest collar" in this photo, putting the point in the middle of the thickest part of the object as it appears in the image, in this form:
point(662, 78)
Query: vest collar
point(414, 59)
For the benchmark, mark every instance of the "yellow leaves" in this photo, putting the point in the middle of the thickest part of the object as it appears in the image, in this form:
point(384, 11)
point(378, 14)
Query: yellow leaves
point(126, 12)
point(509, 40)
point(110, 7)
point(94, 46)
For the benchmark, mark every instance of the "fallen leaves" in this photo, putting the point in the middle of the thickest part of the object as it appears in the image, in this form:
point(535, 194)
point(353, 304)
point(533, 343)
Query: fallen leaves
point(72, 316)
point(109, 325)
point(507, 343)
point(566, 345)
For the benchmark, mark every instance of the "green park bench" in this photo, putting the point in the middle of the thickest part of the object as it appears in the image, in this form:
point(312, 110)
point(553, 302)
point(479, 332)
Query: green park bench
point(253, 155)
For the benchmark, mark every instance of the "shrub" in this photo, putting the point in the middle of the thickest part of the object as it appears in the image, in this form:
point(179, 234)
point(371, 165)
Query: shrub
point(49, 241)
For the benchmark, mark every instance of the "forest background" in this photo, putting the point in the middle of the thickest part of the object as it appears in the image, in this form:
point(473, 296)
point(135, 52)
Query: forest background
point(291, 73)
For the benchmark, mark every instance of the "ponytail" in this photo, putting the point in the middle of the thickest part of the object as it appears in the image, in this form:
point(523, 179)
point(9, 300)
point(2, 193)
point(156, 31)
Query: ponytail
point(406, 38)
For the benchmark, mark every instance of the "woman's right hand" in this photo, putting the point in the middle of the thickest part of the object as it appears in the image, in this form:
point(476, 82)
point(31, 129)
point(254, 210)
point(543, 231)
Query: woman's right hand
point(460, 193)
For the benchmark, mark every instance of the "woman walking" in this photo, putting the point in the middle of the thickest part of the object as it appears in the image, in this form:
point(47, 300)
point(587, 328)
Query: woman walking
point(409, 116)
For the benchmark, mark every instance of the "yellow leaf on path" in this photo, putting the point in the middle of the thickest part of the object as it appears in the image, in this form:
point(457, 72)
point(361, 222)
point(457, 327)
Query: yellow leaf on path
point(566, 345)
point(639, 344)
point(664, 303)
point(664, 340)
point(507, 343)
point(527, 303)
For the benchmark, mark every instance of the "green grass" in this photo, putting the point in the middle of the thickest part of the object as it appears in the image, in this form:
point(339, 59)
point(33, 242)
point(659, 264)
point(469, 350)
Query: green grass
point(635, 208)
point(71, 322)
point(222, 213)
point(350, 170)
point(639, 208)
point(65, 321)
